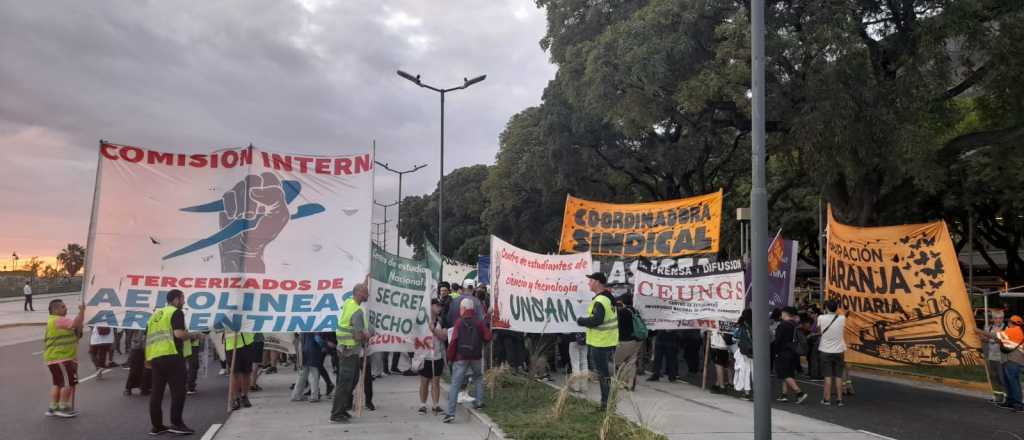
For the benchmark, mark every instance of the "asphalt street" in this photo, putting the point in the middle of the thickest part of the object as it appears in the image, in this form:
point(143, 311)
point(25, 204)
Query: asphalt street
point(905, 412)
point(105, 412)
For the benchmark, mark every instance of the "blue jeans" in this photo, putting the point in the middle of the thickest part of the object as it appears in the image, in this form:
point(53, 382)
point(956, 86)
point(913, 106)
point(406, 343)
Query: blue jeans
point(459, 377)
point(600, 361)
point(1011, 377)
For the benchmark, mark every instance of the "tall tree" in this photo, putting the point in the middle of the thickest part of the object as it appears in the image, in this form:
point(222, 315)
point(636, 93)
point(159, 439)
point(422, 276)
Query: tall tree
point(72, 257)
point(465, 237)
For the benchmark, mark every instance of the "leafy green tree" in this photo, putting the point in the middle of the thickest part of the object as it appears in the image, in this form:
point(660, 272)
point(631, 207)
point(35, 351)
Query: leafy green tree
point(465, 237)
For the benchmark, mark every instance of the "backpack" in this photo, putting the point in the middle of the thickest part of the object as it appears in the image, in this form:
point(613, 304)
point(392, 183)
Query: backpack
point(470, 343)
point(639, 327)
point(744, 342)
point(799, 342)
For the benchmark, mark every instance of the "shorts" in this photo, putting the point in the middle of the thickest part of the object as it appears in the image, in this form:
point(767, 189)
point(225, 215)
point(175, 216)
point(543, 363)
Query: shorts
point(720, 356)
point(243, 360)
point(438, 368)
point(832, 364)
point(64, 373)
point(785, 365)
point(255, 352)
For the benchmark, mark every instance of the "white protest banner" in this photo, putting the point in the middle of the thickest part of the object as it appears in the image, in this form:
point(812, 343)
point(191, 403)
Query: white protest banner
point(257, 241)
point(699, 296)
point(398, 308)
point(537, 293)
point(279, 342)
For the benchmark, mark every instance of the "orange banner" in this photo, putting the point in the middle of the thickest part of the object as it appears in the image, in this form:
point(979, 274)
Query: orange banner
point(903, 293)
point(656, 229)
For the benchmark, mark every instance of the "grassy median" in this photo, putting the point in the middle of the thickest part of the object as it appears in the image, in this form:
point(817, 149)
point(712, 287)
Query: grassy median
point(524, 409)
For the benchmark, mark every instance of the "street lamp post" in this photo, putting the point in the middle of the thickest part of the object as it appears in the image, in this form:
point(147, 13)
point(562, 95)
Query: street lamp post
point(759, 228)
point(440, 184)
point(386, 221)
point(398, 243)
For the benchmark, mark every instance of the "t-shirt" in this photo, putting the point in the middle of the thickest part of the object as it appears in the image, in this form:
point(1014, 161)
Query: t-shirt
point(96, 338)
point(832, 340)
point(177, 323)
point(1013, 338)
point(27, 289)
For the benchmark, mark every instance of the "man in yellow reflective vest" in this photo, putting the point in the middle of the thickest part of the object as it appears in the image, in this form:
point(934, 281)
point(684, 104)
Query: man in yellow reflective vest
point(353, 334)
point(602, 325)
point(61, 357)
point(166, 338)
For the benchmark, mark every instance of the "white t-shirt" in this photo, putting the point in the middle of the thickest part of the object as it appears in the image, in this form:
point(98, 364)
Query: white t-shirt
point(832, 340)
point(97, 338)
point(27, 289)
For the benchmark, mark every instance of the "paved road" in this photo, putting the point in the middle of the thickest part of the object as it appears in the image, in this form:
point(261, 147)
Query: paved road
point(106, 413)
point(908, 413)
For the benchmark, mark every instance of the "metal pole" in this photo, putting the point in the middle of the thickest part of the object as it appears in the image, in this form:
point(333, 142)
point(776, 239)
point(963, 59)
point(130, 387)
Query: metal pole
point(440, 198)
point(759, 230)
point(398, 223)
point(821, 255)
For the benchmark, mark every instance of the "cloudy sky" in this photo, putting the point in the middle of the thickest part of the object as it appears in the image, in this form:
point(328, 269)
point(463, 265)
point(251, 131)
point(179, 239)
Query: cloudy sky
point(309, 76)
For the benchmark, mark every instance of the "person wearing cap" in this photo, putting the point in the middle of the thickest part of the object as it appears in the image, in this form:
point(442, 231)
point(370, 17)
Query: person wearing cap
point(602, 325)
point(994, 357)
point(1011, 343)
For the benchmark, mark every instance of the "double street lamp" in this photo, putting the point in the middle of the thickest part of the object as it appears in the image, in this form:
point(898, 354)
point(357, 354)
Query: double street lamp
point(398, 227)
point(386, 221)
point(466, 82)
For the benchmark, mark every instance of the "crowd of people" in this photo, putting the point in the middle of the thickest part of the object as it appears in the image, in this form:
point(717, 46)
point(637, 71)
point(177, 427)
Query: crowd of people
point(807, 344)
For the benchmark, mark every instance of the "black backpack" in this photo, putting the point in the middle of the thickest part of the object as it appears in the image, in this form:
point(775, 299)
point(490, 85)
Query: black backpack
point(799, 343)
point(744, 341)
point(470, 343)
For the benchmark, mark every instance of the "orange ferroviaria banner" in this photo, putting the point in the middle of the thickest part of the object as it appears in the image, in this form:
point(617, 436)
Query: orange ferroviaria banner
point(655, 229)
point(903, 294)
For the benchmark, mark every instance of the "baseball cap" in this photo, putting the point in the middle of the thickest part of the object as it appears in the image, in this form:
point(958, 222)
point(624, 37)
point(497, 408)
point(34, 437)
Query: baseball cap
point(1016, 319)
point(599, 277)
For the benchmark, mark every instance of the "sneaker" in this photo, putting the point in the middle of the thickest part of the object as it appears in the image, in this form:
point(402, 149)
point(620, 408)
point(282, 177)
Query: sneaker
point(236, 405)
point(50, 412)
point(341, 420)
point(66, 413)
point(826, 403)
point(437, 410)
point(782, 398)
point(190, 392)
point(370, 407)
point(464, 397)
point(157, 430)
point(423, 410)
point(181, 430)
point(448, 418)
point(840, 404)
point(245, 402)
point(222, 372)
point(800, 398)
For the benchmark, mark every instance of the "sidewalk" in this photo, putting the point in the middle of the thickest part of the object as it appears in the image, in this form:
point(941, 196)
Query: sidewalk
point(12, 313)
point(274, 417)
point(683, 412)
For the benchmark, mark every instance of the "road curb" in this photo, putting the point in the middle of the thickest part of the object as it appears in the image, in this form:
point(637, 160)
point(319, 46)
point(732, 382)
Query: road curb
point(494, 432)
point(22, 324)
point(924, 378)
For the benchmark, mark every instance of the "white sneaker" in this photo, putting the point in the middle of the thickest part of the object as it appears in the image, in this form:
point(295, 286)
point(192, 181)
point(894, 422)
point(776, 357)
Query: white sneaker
point(464, 397)
point(222, 372)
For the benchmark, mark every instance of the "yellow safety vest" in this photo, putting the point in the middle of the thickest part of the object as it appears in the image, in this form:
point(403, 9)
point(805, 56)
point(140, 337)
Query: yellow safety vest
point(239, 340)
point(159, 335)
point(455, 295)
point(189, 346)
point(61, 343)
point(606, 334)
point(345, 333)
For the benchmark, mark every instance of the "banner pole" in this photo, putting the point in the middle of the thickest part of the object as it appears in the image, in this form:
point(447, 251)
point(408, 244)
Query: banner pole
point(231, 373)
point(707, 353)
point(90, 243)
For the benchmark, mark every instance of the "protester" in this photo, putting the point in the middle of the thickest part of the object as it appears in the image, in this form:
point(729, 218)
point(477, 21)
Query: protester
point(433, 363)
point(721, 358)
point(995, 359)
point(465, 350)
point(101, 341)
point(61, 356)
point(602, 323)
point(510, 349)
point(330, 340)
point(192, 350)
point(138, 375)
point(666, 355)
point(256, 353)
point(352, 334)
point(311, 348)
point(1011, 342)
point(629, 346)
point(237, 351)
point(692, 346)
point(744, 356)
point(832, 348)
point(27, 290)
point(813, 341)
point(165, 337)
point(786, 354)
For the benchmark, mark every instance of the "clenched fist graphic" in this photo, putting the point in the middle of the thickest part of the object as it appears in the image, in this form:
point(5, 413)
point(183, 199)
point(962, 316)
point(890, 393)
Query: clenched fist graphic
point(258, 204)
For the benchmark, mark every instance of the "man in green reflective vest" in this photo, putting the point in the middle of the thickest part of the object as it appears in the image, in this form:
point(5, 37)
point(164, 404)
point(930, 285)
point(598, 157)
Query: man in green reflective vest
point(602, 325)
point(166, 337)
point(353, 333)
point(61, 357)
